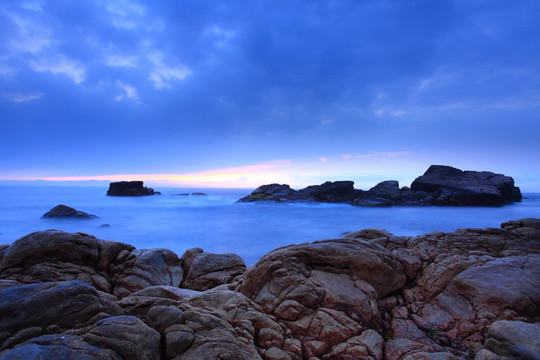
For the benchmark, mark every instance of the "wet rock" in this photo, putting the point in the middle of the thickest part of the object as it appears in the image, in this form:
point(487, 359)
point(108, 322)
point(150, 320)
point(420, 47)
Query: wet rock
point(63, 211)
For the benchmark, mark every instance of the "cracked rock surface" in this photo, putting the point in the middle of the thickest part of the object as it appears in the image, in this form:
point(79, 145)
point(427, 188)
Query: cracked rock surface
point(470, 294)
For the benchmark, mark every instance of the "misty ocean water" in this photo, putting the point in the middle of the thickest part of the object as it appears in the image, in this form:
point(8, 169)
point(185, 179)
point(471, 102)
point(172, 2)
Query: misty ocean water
point(216, 223)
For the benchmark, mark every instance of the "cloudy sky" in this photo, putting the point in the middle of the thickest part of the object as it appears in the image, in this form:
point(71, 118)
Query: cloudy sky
point(241, 93)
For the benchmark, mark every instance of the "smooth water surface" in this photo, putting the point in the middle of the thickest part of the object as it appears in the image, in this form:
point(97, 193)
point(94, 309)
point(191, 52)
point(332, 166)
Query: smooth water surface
point(218, 224)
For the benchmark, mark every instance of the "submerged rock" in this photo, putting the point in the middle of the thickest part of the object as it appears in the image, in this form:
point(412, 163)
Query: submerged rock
point(469, 294)
point(129, 188)
point(63, 211)
point(198, 194)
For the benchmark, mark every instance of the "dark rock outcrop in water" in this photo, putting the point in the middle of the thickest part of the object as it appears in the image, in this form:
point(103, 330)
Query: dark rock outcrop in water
point(440, 185)
point(129, 188)
point(450, 186)
point(63, 211)
point(470, 294)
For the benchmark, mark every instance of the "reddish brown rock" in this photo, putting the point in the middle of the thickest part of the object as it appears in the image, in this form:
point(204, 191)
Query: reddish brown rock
point(373, 295)
point(205, 270)
point(145, 268)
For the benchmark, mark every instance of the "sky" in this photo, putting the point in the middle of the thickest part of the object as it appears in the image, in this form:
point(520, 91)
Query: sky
point(243, 93)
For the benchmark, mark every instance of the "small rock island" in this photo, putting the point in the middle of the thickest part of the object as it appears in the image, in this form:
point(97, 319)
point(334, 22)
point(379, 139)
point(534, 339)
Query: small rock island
point(129, 188)
point(440, 185)
point(64, 211)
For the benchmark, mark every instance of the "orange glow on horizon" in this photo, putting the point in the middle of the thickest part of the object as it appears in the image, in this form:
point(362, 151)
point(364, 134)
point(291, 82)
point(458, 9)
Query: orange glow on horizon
point(235, 177)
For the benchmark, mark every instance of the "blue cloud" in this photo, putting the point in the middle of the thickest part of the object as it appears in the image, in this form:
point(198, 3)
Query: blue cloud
point(261, 80)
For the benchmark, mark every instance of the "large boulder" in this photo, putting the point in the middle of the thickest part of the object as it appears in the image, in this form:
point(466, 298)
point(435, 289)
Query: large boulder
point(466, 281)
point(129, 188)
point(126, 335)
point(55, 255)
point(514, 340)
point(450, 186)
point(207, 270)
point(326, 293)
point(114, 267)
point(145, 268)
point(227, 325)
point(35, 309)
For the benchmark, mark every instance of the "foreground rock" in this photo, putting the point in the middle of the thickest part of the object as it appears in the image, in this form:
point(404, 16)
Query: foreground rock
point(205, 270)
point(129, 188)
point(63, 211)
point(440, 185)
point(470, 294)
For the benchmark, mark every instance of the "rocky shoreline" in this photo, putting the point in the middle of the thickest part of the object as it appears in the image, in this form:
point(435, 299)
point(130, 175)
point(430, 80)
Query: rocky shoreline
point(440, 185)
point(470, 294)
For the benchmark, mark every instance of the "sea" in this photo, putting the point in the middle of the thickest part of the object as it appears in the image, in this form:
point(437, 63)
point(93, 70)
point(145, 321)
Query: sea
point(215, 222)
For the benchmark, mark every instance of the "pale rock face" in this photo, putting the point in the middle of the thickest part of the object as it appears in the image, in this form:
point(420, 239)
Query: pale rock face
point(370, 295)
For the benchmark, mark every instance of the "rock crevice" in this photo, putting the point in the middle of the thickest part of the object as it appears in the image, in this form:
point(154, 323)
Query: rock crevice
point(470, 294)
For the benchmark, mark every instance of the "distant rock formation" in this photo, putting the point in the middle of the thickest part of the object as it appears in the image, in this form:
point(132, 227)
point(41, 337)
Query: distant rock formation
point(129, 188)
point(440, 185)
point(469, 294)
point(192, 194)
point(198, 194)
point(63, 211)
point(449, 186)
